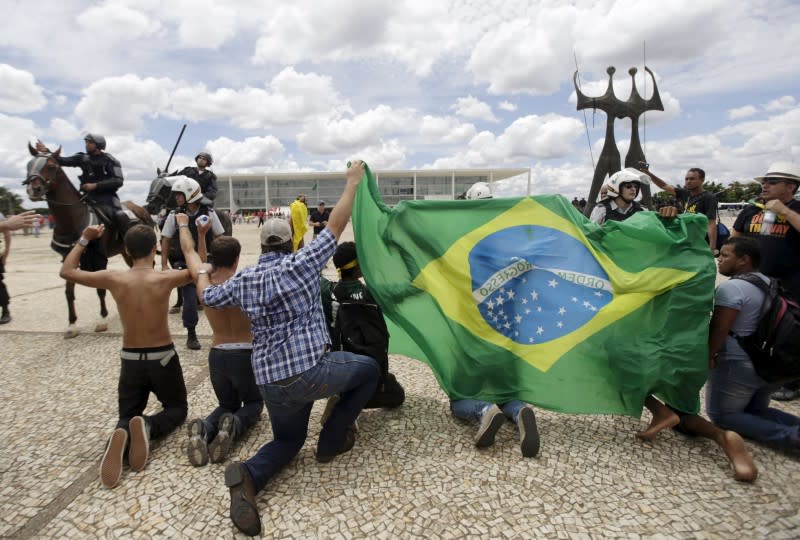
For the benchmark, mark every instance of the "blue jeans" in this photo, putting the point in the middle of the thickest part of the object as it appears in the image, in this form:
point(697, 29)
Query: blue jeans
point(237, 393)
point(352, 376)
point(473, 409)
point(738, 399)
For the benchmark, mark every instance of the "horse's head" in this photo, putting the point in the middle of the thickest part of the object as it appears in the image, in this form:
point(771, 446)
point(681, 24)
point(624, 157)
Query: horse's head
point(160, 192)
point(42, 173)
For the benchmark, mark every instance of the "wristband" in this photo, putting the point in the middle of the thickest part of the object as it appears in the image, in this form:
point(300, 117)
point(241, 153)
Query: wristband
point(83, 242)
point(181, 225)
point(203, 271)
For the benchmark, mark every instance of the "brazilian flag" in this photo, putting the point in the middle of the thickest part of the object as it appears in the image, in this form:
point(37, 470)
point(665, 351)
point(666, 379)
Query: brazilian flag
point(525, 298)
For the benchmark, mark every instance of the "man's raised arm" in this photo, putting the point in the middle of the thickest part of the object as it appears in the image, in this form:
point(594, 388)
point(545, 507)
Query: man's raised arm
point(344, 207)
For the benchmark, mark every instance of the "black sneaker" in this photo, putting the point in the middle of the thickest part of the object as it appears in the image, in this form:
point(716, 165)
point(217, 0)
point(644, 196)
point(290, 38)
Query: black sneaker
point(197, 451)
point(243, 512)
point(528, 432)
point(218, 448)
point(5, 318)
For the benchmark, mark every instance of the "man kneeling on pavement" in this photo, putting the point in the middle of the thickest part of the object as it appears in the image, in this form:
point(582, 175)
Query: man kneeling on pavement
point(292, 361)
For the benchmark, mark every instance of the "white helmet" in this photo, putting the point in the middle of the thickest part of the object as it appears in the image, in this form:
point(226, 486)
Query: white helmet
point(190, 188)
point(626, 176)
point(479, 190)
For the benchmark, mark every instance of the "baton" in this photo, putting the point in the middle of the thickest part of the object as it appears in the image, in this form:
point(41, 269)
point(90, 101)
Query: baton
point(166, 169)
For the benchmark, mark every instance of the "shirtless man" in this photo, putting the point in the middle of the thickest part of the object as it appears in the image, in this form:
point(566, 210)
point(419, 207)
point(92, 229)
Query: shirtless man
point(149, 360)
point(240, 402)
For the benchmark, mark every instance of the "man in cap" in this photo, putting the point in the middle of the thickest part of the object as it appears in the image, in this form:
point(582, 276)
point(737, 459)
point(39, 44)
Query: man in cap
point(292, 361)
point(775, 224)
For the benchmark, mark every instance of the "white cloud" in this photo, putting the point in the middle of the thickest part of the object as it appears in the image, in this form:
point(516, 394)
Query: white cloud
point(507, 106)
point(15, 133)
point(253, 152)
point(530, 137)
point(331, 136)
point(742, 112)
point(472, 107)
point(19, 92)
point(445, 129)
point(780, 104)
point(289, 98)
point(382, 155)
point(110, 22)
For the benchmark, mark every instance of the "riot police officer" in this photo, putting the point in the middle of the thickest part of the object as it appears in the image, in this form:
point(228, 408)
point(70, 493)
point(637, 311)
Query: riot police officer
point(204, 176)
point(101, 177)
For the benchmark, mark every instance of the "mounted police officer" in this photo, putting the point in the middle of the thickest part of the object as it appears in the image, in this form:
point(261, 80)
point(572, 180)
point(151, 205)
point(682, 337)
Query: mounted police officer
point(623, 187)
point(204, 176)
point(188, 196)
point(101, 177)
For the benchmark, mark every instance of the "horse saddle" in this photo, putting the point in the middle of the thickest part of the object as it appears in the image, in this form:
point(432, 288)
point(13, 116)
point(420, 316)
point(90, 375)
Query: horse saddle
point(118, 220)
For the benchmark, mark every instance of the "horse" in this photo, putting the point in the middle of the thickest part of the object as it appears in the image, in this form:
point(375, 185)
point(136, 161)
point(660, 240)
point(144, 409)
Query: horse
point(160, 200)
point(46, 180)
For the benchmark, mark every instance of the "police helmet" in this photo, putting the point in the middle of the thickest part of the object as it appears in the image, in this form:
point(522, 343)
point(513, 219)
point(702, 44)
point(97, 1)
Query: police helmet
point(189, 187)
point(98, 140)
point(207, 156)
point(479, 190)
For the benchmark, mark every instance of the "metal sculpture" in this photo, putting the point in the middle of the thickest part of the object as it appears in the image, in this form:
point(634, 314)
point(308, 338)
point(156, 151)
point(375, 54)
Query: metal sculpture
point(609, 161)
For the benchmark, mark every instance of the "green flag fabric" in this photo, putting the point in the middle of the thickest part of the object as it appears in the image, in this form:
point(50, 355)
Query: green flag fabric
point(524, 298)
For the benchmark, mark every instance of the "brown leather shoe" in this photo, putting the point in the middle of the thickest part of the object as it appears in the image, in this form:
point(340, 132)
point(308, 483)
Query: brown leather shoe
point(244, 512)
point(347, 445)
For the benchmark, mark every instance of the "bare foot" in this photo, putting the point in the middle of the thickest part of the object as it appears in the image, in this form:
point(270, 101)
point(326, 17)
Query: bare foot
point(663, 418)
point(744, 469)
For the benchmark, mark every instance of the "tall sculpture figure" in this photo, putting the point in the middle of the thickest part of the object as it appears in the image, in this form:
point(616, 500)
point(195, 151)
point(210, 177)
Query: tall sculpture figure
point(609, 161)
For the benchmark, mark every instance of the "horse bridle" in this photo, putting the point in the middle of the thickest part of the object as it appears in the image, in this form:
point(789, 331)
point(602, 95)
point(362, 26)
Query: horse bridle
point(39, 161)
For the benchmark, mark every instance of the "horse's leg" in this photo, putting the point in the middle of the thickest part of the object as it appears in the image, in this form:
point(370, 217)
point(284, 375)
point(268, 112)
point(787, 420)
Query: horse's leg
point(72, 330)
point(102, 326)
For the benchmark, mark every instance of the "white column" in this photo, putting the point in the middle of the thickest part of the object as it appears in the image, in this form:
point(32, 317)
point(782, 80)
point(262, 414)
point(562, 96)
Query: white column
point(230, 195)
point(529, 181)
point(267, 205)
point(453, 185)
point(414, 195)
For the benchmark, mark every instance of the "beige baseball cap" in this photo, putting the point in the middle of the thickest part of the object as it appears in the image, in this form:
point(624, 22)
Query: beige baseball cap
point(275, 232)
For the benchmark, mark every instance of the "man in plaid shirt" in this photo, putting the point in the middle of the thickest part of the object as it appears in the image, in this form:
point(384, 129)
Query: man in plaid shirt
point(292, 361)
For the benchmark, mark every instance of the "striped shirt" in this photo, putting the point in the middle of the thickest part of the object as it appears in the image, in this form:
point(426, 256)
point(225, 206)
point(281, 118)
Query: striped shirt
point(281, 297)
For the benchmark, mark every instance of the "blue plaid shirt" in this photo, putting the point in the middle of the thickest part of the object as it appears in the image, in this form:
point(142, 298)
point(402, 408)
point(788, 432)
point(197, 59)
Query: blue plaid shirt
point(281, 297)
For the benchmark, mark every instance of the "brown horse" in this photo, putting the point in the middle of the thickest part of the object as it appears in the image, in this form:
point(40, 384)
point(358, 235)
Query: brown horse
point(47, 181)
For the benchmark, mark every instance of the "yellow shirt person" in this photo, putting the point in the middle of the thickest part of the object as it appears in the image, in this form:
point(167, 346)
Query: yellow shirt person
point(299, 215)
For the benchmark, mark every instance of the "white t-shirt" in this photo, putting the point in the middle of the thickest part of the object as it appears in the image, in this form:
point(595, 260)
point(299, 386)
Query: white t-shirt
point(747, 299)
point(168, 230)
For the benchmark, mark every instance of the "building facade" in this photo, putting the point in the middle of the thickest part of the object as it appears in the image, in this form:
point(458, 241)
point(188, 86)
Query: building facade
point(253, 192)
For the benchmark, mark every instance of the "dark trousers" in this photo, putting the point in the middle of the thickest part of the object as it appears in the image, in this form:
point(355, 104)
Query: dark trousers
point(137, 378)
point(189, 313)
point(4, 298)
point(235, 386)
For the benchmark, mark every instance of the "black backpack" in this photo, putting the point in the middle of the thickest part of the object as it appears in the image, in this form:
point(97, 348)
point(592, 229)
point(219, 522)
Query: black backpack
point(360, 328)
point(774, 348)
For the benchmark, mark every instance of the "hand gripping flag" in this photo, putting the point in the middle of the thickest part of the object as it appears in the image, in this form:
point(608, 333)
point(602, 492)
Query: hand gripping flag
point(524, 298)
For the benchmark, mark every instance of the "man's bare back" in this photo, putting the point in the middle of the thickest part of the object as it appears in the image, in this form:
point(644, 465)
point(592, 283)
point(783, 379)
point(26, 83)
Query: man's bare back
point(141, 293)
point(230, 324)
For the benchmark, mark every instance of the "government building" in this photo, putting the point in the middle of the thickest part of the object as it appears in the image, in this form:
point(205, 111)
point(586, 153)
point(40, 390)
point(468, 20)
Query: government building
point(253, 192)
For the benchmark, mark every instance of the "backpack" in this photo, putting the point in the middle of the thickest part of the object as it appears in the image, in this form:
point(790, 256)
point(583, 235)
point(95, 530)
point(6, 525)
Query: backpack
point(774, 347)
point(359, 328)
point(722, 234)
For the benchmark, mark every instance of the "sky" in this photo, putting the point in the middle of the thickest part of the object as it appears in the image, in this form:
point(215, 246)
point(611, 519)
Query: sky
point(403, 84)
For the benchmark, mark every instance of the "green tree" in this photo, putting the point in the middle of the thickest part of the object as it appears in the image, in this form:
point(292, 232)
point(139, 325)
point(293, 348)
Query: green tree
point(10, 203)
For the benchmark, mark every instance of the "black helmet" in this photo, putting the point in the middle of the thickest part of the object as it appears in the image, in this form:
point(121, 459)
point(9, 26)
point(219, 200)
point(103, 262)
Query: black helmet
point(206, 155)
point(99, 140)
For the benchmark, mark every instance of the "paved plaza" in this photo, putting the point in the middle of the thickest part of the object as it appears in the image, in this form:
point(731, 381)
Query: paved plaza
point(414, 472)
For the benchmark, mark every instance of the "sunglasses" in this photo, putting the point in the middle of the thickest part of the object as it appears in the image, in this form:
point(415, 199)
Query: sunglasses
point(773, 181)
point(626, 185)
